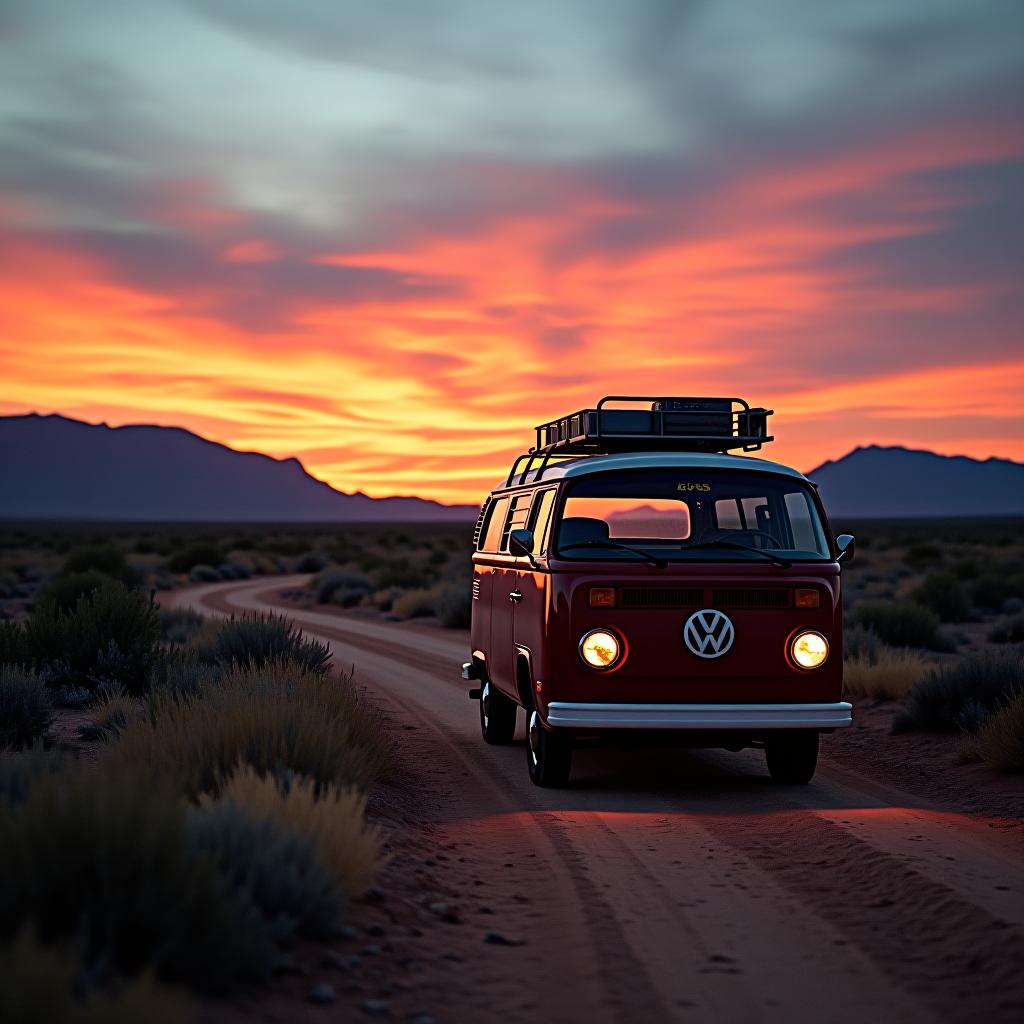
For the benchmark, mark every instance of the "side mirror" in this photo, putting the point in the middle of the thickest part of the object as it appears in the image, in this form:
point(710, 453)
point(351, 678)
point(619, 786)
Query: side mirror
point(520, 542)
point(846, 544)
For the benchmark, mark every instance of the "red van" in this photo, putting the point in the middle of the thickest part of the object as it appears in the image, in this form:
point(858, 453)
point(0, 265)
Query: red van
point(633, 577)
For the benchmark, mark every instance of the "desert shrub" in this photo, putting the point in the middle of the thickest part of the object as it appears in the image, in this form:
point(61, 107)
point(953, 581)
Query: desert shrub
point(889, 674)
point(383, 600)
point(455, 604)
point(944, 594)
point(403, 573)
point(204, 574)
point(334, 820)
point(63, 592)
point(199, 553)
point(899, 623)
point(110, 716)
point(923, 555)
point(103, 860)
point(961, 694)
point(1009, 630)
point(13, 644)
point(328, 583)
point(417, 603)
point(257, 639)
point(279, 718)
point(26, 710)
point(860, 642)
point(275, 867)
point(994, 589)
point(1000, 737)
point(103, 558)
point(234, 570)
point(179, 625)
point(111, 636)
point(47, 985)
point(311, 561)
point(182, 673)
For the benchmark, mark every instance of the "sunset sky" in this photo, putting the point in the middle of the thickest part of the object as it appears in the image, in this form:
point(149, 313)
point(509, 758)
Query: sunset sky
point(389, 238)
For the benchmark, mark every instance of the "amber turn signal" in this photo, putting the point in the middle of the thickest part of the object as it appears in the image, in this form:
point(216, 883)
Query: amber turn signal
point(602, 597)
point(807, 598)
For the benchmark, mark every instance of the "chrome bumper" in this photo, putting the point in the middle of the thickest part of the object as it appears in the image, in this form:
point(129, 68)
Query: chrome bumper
point(699, 716)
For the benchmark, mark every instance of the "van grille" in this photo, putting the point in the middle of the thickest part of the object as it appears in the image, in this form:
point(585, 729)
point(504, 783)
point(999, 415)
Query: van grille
point(751, 597)
point(661, 597)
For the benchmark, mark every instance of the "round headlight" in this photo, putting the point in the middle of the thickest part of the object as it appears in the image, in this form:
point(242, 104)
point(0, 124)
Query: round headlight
point(808, 649)
point(600, 648)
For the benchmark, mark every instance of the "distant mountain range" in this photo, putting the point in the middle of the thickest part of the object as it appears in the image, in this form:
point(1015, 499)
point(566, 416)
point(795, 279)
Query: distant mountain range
point(52, 467)
point(877, 482)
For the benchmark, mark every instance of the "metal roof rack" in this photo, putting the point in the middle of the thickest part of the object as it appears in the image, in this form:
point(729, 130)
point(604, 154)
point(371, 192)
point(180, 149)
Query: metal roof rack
point(667, 425)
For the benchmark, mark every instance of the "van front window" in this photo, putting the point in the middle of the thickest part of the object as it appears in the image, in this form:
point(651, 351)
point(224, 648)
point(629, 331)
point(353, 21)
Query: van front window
point(682, 513)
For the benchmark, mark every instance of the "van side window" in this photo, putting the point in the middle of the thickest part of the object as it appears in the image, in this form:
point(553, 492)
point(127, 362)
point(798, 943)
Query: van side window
point(542, 520)
point(518, 517)
point(495, 523)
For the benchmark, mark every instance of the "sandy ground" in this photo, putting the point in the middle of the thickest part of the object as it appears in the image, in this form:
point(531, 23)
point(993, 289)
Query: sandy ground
point(662, 885)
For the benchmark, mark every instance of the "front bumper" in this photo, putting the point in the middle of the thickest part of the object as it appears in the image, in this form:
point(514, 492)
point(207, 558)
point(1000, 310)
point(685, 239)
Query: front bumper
point(699, 716)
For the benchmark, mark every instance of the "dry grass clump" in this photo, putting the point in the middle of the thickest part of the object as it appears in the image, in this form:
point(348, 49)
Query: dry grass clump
point(888, 674)
point(332, 818)
point(1000, 737)
point(278, 717)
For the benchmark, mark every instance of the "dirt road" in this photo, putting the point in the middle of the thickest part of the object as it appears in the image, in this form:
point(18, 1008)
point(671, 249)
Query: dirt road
point(682, 885)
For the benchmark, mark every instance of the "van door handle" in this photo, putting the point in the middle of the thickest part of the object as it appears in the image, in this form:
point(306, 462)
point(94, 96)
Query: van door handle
point(515, 596)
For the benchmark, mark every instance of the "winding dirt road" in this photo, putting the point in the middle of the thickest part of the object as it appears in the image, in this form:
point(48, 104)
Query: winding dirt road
point(682, 885)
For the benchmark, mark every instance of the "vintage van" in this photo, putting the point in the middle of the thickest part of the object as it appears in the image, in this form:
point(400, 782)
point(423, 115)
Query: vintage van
point(634, 579)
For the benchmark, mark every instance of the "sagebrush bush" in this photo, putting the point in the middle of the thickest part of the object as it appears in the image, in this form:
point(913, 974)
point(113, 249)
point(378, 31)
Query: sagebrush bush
point(944, 594)
point(1000, 737)
point(860, 642)
point(182, 673)
point(102, 558)
point(63, 592)
point(273, 866)
point(199, 553)
point(994, 589)
point(888, 674)
point(234, 571)
point(961, 694)
point(49, 985)
point(109, 717)
point(26, 709)
point(455, 604)
point(900, 623)
point(204, 574)
point(311, 561)
point(111, 636)
point(103, 860)
point(13, 644)
point(258, 639)
point(279, 718)
point(327, 584)
point(1009, 630)
point(180, 625)
point(334, 820)
point(418, 603)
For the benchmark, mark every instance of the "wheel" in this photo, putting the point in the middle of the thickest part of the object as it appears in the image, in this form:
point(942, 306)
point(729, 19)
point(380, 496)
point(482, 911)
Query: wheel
point(548, 754)
point(497, 715)
point(792, 757)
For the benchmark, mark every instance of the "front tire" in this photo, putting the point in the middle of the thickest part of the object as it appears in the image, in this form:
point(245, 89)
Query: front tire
point(792, 757)
point(548, 754)
point(497, 716)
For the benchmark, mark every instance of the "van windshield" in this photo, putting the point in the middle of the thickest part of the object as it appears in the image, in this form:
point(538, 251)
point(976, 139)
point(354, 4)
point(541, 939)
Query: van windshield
point(690, 514)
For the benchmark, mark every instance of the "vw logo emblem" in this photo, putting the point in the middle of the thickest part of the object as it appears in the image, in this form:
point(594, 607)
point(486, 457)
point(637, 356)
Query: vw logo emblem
point(708, 633)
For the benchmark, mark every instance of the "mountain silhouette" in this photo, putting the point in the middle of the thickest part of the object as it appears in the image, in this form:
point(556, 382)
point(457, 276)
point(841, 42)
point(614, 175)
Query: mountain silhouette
point(53, 467)
point(879, 482)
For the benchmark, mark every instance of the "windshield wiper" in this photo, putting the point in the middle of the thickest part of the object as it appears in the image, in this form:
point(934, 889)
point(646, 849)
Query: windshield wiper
point(658, 563)
point(782, 563)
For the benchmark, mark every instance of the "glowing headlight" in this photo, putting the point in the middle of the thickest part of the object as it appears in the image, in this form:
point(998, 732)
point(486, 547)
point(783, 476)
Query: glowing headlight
point(600, 648)
point(808, 649)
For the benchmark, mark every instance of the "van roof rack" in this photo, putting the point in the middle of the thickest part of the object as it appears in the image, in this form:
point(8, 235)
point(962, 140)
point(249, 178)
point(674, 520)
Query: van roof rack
point(666, 424)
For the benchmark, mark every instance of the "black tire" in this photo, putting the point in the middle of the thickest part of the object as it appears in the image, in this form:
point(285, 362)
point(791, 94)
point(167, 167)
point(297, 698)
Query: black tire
point(548, 753)
point(792, 757)
point(497, 715)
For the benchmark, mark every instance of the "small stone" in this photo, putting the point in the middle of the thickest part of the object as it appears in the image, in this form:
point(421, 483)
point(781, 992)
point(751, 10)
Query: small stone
point(374, 895)
point(439, 908)
point(322, 994)
point(497, 939)
point(376, 1007)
